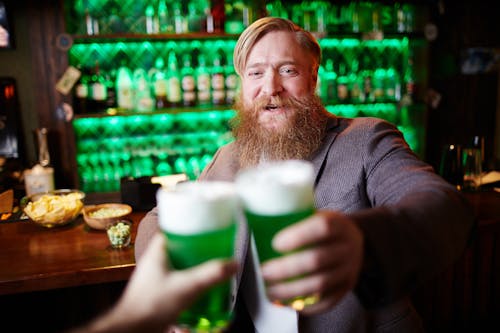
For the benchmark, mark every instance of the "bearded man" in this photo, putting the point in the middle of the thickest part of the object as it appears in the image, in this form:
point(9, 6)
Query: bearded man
point(384, 221)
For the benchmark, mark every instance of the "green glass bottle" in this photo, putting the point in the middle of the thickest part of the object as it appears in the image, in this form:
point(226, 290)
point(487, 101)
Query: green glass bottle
point(143, 101)
point(329, 83)
point(202, 81)
point(124, 88)
point(356, 84)
point(342, 85)
point(174, 94)
point(165, 24)
point(81, 91)
point(217, 81)
point(98, 89)
point(159, 79)
point(392, 85)
point(188, 82)
point(232, 80)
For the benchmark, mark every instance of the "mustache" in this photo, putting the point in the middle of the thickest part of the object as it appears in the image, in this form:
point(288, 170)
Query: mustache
point(264, 101)
point(278, 101)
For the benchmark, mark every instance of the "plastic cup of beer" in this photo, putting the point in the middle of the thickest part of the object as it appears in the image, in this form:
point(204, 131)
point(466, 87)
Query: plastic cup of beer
point(275, 195)
point(199, 221)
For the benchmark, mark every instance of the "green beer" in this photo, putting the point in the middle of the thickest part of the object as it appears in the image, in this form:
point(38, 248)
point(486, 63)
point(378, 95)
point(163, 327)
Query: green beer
point(198, 219)
point(265, 227)
point(274, 196)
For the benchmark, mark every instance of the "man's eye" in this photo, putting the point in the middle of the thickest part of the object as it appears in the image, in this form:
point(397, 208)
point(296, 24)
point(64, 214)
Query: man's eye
point(254, 73)
point(288, 71)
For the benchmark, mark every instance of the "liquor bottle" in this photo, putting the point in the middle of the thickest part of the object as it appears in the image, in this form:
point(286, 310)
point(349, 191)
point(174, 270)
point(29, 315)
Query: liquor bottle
point(81, 91)
point(202, 81)
point(235, 13)
point(207, 17)
point(217, 81)
point(159, 79)
point(218, 13)
point(188, 82)
point(356, 84)
point(41, 177)
point(174, 94)
point(151, 27)
point(342, 85)
point(110, 78)
point(392, 85)
point(98, 89)
point(124, 88)
point(400, 17)
point(275, 8)
point(180, 23)
point(232, 80)
point(195, 21)
point(409, 82)
point(165, 24)
point(378, 85)
point(143, 101)
point(329, 83)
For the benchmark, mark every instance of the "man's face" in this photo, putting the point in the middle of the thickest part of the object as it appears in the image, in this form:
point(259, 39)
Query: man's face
point(277, 67)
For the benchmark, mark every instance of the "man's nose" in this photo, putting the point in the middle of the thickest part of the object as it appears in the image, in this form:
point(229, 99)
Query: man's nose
point(272, 84)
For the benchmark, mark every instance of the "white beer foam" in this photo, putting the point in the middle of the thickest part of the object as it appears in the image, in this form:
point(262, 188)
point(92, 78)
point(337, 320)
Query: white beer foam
point(275, 188)
point(194, 207)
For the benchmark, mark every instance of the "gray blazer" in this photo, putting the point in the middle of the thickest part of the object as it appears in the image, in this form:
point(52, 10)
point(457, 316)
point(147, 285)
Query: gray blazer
point(415, 224)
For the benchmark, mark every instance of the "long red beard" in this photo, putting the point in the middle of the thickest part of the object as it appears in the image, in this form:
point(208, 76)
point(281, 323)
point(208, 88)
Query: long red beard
point(298, 138)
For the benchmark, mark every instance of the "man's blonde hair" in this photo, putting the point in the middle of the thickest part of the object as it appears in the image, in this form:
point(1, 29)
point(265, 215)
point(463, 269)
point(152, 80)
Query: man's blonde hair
point(263, 26)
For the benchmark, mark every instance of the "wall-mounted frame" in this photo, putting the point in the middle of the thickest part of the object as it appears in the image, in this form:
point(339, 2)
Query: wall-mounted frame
point(6, 34)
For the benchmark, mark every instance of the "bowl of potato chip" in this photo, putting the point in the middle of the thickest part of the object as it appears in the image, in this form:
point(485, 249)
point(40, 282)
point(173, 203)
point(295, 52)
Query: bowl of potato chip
point(54, 208)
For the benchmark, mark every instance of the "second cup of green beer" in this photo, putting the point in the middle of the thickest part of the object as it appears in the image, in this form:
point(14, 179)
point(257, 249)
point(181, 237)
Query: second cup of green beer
point(199, 221)
point(275, 195)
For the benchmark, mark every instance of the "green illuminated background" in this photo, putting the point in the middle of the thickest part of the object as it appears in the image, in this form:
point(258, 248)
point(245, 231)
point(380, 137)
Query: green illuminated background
point(113, 144)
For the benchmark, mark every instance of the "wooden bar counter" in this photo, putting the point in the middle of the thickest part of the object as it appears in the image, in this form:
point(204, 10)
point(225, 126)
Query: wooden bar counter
point(34, 258)
point(58, 278)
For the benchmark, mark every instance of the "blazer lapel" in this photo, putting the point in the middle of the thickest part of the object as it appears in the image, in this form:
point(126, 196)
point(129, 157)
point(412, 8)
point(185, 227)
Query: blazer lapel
point(319, 157)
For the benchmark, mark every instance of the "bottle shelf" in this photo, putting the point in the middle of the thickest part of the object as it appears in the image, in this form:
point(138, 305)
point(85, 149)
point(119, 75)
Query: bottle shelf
point(135, 37)
point(363, 58)
point(138, 37)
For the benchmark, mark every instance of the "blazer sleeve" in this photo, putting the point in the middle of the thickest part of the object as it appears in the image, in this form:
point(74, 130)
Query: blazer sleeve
point(417, 226)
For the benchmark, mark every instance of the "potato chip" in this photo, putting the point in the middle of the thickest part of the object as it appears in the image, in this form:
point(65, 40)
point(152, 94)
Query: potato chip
point(52, 208)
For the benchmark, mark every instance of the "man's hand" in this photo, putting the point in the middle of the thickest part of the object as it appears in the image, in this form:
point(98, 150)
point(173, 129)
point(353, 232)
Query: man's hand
point(327, 260)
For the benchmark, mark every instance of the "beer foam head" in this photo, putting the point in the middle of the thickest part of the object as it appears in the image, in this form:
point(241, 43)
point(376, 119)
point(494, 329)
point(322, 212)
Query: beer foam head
point(194, 207)
point(276, 188)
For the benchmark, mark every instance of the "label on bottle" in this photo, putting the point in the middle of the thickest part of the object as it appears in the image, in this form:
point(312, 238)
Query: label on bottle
point(218, 97)
point(204, 96)
point(231, 82)
point(188, 83)
point(174, 90)
point(188, 90)
point(160, 87)
point(203, 82)
point(68, 80)
point(39, 179)
point(99, 91)
point(342, 92)
point(218, 81)
point(125, 97)
point(82, 91)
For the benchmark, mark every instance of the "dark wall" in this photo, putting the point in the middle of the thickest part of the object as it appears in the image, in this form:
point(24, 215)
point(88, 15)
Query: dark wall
point(468, 103)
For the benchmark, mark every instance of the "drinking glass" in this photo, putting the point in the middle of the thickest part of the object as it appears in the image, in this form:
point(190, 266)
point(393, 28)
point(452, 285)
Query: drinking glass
point(472, 168)
point(199, 221)
point(275, 195)
point(450, 166)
